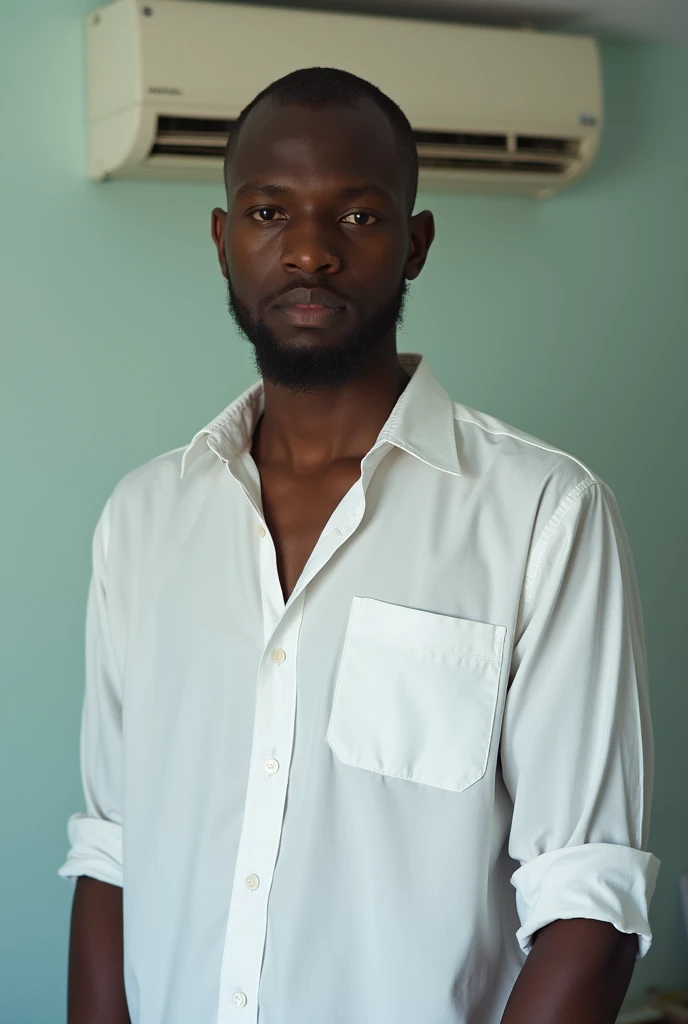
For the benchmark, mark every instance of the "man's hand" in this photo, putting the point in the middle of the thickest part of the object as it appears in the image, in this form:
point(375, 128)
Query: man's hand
point(576, 973)
point(96, 960)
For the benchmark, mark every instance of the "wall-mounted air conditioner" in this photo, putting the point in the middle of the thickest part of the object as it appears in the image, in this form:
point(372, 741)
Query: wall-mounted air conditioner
point(495, 110)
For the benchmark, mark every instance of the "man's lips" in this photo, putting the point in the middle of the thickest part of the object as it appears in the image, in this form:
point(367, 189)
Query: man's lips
point(311, 307)
point(311, 316)
point(311, 297)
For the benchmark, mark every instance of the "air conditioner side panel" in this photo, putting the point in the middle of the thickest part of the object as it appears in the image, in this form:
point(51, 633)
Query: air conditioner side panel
point(113, 58)
point(114, 76)
point(120, 144)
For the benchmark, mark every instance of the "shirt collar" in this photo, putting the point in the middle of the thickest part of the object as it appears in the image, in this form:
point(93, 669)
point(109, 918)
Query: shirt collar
point(421, 423)
point(230, 432)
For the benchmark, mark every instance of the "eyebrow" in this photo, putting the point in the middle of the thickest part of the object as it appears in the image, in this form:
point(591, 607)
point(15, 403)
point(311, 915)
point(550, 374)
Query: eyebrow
point(263, 188)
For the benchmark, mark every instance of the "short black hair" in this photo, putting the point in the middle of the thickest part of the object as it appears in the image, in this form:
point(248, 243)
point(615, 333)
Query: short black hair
point(322, 87)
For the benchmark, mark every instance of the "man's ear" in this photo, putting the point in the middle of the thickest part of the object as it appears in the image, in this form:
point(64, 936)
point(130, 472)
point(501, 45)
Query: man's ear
point(422, 231)
point(218, 224)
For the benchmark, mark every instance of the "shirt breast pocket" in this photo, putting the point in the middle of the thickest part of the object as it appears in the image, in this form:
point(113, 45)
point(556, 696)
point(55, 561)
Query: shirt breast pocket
point(416, 694)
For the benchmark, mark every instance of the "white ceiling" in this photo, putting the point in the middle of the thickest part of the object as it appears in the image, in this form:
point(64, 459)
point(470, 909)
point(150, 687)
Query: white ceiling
point(648, 20)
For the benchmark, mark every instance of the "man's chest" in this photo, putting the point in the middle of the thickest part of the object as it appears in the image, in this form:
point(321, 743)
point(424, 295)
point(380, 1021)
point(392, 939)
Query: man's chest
point(208, 614)
point(297, 508)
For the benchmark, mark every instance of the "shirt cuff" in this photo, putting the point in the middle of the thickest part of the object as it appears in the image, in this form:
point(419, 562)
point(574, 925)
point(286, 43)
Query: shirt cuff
point(599, 881)
point(96, 850)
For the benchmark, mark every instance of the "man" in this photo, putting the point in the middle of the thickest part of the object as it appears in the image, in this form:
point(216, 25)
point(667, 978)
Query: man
point(365, 717)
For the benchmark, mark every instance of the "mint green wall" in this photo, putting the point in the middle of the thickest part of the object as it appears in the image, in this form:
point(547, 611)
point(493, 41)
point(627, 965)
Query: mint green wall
point(569, 319)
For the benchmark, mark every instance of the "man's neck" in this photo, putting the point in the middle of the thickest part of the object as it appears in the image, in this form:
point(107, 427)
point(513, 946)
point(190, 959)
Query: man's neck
point(306, 432)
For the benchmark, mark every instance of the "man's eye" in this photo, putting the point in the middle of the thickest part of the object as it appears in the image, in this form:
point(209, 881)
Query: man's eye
point(360, 223)
point(271, 214)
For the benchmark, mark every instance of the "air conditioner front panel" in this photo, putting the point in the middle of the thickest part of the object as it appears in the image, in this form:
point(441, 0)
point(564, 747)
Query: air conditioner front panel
point(439, 73)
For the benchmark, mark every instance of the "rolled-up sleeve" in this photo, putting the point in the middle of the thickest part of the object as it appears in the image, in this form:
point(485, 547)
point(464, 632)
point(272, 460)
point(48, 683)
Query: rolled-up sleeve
point(576, 743)
point(96, 837)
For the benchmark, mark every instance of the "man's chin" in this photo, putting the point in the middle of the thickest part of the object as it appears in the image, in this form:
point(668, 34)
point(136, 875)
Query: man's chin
point(305, 339)
point(302, 362)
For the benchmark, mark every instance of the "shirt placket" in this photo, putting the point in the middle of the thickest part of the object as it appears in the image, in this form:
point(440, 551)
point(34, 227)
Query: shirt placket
point(273, 736)
point(273, 739)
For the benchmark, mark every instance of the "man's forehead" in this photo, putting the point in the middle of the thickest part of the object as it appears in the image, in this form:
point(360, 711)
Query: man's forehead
point(357, 140)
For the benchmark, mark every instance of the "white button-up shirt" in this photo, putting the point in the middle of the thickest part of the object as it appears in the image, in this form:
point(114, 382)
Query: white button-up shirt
point(358, 806)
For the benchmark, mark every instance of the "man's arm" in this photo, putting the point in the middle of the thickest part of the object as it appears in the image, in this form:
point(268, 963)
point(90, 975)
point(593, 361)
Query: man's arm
point(577, 970)
point(96, 970)
point(576, 755)
point(96, 979)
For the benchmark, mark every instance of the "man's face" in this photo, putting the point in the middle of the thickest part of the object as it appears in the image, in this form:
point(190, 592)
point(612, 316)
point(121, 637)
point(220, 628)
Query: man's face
point(317, 244)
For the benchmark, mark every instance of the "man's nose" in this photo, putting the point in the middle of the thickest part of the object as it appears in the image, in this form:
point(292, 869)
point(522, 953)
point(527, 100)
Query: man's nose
point(308, 250)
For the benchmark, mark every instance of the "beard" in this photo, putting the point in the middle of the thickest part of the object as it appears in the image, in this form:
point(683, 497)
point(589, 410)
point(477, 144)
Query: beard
point(304, 368)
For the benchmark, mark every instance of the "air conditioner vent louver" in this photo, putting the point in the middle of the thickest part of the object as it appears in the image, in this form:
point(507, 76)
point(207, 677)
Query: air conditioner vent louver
point(194, 125)
point(459, 151)
point(468, 139)
point(505, 165)
point(178, 148)
point(540, 144)
point(191, 136)
point(505, 154)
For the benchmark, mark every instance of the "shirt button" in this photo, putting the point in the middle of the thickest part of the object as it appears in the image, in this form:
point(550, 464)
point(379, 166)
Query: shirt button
point(252, 882)
point(260, 530)
point(272, 765)
point(278, 656)
point(239, 999)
